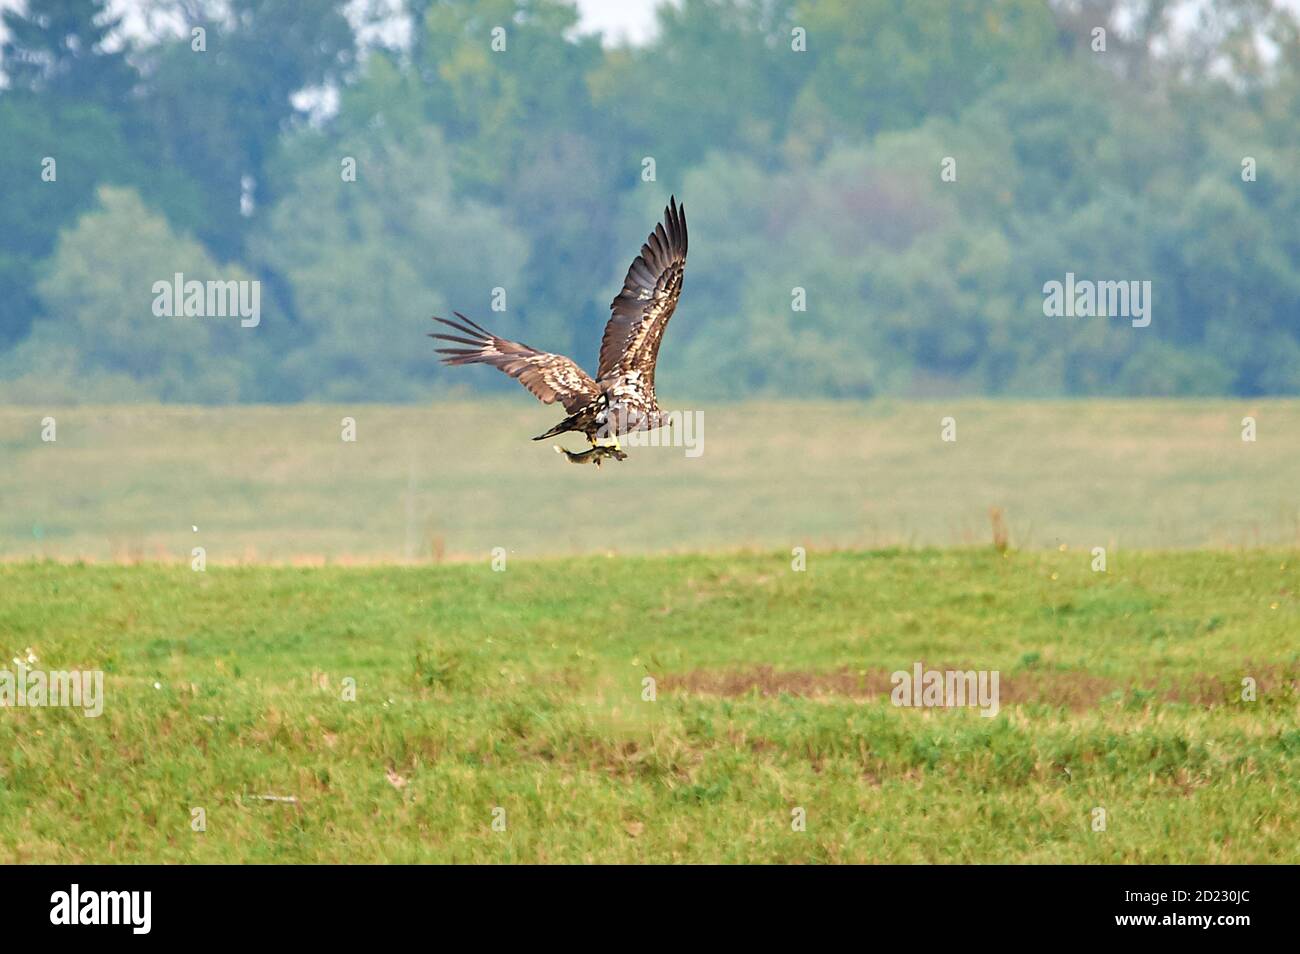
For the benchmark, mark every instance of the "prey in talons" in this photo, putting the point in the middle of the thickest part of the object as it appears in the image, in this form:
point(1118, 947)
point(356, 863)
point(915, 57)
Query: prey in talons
point(594, 454)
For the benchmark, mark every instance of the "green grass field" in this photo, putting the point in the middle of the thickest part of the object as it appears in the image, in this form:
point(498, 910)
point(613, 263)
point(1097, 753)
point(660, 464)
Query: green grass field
point(522, 690)
point(456, 479)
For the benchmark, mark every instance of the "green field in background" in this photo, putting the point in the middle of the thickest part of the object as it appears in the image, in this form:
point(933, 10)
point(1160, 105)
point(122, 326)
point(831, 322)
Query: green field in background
point(522, 690)
point(458, 479)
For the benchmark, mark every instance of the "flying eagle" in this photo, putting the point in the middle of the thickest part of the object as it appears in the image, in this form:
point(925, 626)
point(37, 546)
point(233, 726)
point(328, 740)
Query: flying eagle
point(621, 398)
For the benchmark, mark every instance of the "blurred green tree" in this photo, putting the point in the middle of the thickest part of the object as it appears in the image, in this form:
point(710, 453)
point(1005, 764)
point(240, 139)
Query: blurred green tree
point(367, 262)
point(100, 324)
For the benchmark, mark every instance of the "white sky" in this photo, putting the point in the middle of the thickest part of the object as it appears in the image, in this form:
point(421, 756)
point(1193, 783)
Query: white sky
point(619, 19)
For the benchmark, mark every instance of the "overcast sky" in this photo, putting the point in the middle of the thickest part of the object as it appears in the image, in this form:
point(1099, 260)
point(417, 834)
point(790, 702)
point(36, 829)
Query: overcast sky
point(620, 19)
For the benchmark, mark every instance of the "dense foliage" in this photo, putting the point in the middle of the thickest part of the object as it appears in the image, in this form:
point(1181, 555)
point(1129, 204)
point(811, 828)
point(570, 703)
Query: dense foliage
point(878, 192)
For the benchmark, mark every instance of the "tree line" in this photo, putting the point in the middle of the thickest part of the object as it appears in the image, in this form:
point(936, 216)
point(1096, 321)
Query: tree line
point(879, 193)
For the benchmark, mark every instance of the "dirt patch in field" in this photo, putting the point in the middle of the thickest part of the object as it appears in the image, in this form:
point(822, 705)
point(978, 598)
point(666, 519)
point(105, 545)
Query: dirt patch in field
point(1072, 690)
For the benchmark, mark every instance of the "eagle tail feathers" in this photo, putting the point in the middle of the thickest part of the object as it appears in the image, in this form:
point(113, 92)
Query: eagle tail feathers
point(555, 431)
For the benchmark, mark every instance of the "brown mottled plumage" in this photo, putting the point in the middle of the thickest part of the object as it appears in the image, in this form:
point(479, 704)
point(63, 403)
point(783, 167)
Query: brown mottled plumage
point(622, 396)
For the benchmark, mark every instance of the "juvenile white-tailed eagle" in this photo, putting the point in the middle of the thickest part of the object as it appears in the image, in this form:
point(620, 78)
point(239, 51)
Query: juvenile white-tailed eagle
point(621, 399)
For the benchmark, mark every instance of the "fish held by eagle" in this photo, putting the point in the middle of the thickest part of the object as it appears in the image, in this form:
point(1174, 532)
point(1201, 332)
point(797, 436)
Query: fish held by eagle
point(621, 398)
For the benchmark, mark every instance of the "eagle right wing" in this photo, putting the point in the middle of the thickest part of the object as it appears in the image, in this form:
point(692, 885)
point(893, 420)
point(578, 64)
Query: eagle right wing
point(640, 313)
point(550, 377)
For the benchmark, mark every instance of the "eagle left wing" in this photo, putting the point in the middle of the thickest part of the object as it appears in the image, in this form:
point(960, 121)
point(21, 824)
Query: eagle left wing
point(650, 292)
point(549, 377)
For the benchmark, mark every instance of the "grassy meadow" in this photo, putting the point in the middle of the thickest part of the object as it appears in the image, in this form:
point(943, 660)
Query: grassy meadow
point(457, 479)
point(522, 690)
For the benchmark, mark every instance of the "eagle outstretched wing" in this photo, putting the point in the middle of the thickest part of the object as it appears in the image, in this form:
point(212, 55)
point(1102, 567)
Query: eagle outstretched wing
point(550, 377)
point(650, 292)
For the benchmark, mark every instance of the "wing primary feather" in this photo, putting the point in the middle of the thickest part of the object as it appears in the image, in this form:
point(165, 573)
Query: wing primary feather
point(473, 324)
point(466, 341)
point(477, 332)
